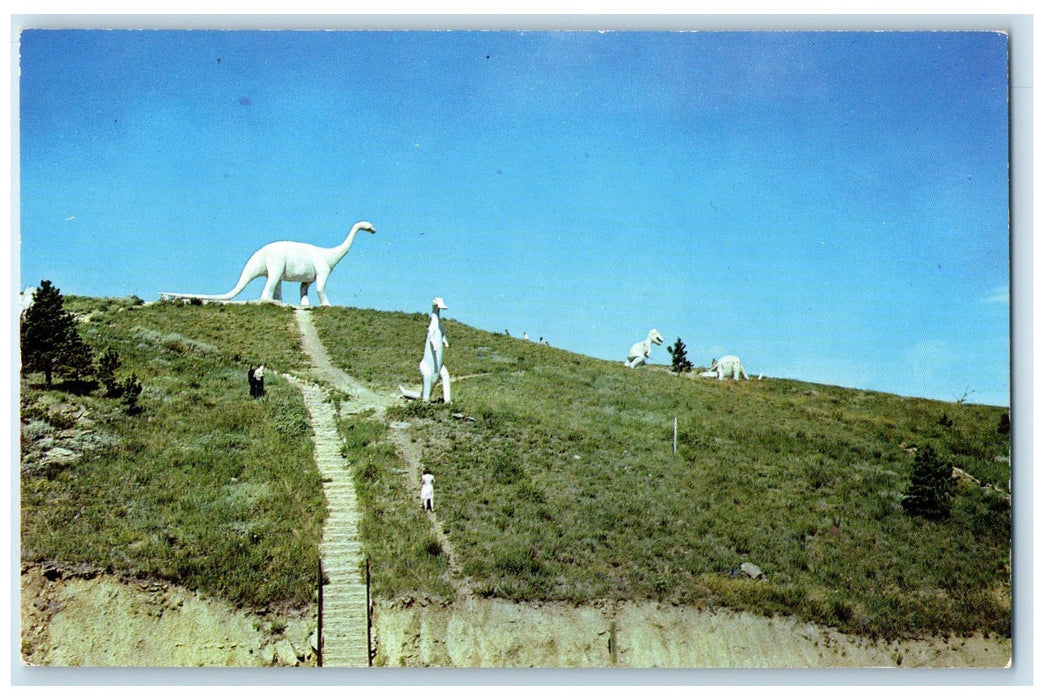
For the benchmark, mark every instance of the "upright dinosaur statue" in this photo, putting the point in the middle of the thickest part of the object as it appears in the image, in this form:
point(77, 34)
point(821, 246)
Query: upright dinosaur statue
point(431, 365)
point(640, 351)
point(290, 261)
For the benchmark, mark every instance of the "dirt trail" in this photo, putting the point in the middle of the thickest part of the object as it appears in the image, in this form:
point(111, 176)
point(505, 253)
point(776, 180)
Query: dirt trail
point(411, 455)
point(361, 398)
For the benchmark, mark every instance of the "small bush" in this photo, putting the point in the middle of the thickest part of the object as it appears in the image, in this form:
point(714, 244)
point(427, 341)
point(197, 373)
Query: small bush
point(108, 363)
point(1004, 424)
point(931, 486)
point(130, 391)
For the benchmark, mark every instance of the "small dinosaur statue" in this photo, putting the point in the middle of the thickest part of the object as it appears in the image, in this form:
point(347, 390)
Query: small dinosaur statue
point(290, 261)
point(639, 351)
point(726, 366)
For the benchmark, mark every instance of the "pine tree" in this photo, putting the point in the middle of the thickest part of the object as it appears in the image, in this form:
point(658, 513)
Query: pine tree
point(931, 486)
point(49, 340)
point(108, 363)
point(130, 390)
point(679, 362)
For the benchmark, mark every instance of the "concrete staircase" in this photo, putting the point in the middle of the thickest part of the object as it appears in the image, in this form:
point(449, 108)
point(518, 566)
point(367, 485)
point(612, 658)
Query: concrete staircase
point(345, 634)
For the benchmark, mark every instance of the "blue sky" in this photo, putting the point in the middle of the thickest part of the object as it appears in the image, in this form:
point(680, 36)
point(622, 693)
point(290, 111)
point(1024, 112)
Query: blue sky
point(829, 206)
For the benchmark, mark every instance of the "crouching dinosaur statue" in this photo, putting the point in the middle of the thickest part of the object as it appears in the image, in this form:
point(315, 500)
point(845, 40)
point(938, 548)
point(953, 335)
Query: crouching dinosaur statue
point(287, 261)
point(640, 351)
point(431, 365)
point(729, 365)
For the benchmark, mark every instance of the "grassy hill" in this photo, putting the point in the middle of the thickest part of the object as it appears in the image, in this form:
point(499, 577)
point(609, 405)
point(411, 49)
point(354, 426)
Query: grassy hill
point(205, 487)
point(564, 486)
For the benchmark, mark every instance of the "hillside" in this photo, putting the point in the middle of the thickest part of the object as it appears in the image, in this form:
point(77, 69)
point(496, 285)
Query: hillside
point(565, 486)
point(556, 477)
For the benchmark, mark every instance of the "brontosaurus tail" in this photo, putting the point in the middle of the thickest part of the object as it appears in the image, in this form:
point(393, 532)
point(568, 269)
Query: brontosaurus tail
point(167, 296)
point(254, 268)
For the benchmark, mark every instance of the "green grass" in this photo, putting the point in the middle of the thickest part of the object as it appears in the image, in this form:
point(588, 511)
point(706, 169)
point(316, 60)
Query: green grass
point(206, 487)
point(405, 558)
point(563, 487)
point(566, 487)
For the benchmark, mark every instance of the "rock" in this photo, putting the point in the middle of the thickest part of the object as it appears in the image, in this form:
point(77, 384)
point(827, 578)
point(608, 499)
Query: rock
point(285, 653)
point(60, 455)
point(751, 570)
point(267, 655)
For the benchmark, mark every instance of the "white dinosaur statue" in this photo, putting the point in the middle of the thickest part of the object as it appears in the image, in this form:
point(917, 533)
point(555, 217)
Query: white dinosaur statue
point(290, 261)
point(642, 350)
point(27, 299)
point(725, 366)
point(431, 364)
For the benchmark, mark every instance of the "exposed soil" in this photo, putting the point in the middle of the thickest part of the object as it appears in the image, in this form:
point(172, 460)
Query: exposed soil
point(103, 621)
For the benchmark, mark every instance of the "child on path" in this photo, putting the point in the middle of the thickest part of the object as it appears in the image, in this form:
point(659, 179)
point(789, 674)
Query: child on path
point(427, 491)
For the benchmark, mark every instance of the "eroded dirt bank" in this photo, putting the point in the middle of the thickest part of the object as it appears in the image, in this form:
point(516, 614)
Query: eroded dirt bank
point(103, 621)
point(494, 633)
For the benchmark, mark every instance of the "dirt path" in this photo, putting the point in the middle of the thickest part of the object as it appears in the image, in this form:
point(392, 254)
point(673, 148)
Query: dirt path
point(361, 398)
point(411, 455)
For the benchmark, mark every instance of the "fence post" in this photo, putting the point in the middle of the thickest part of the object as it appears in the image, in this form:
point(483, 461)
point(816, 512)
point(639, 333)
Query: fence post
point(676, 435)
point(369, 618)
point(612, 642)
point(319, 632)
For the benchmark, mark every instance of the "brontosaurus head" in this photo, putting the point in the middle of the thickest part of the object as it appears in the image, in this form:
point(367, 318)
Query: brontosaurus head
point(366, 226)
point(655, 337)
point(438, 303)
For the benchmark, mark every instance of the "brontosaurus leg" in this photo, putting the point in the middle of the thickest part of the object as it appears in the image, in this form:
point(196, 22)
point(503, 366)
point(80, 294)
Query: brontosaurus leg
point(304, 293)
point(320, 286)
point(273, 287)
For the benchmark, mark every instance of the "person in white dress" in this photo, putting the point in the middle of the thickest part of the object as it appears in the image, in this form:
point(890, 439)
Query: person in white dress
point(428, 490)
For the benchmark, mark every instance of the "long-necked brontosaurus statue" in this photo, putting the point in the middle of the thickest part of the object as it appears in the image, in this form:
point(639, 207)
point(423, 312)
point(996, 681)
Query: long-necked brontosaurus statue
point(639, 351)
point(290, 261)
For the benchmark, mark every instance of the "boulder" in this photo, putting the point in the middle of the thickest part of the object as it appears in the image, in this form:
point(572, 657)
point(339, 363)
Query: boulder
point(751, 570)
